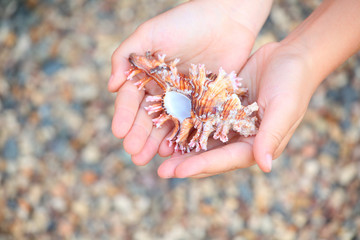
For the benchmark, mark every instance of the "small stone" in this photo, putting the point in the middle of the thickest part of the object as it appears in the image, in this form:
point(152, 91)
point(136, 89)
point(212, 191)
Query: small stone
point(80, 208)
point(58, 190)
point(111, 190)
point(346, 233)
point(91, 154)
point(123, 204)
point(177, 232)
point(309, 150)
point(353, 135)
point(142, 204)
point(22, 47)
point(338, 80)
point(207, 209)
point(279, 16)
point(311, 168)
point(11, 149)
point(263, 194)
point(326, 160)
point(35, 194)
point(266, 225)
point(89, 178)
point(231, 203)
point(246, 234)
point(126, 14)
point(51, 66)
point(65, 228)
point(142, 235)
point(300, 219)
point(86, 92)
point(39, 221)
point(337, 198)
point(236, 224)
point(356, 153)
point(58, 204)
point(27, 164)
point(10, 40)
point(104, 206)
point(71, 118)
point(347, 173)
point(24, 208)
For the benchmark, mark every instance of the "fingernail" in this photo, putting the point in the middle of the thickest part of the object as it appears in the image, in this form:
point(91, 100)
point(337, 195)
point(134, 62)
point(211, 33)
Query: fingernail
point(268, 162)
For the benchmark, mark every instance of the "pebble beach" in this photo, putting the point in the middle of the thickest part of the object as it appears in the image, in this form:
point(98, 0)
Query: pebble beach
point(63, 175)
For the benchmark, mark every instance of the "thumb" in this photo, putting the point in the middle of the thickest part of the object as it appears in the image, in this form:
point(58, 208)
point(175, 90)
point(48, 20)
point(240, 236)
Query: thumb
point(135, 43)
point(280, 119)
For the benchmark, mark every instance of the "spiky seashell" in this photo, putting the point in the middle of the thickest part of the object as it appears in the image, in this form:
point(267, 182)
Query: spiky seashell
point(203, 101)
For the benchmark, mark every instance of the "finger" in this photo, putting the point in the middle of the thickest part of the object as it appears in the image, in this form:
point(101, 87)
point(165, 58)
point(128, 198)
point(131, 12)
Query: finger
point(286, 139)
point(280, 117)
point(219, 160)
point(151, 145)
point(238, 155)
point(126, 107)
point(139, 132)
point(165, 150)
point(203, 175)
point(167, 168)
point(138, 42)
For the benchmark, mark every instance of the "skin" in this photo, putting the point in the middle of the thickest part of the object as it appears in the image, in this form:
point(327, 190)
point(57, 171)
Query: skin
point(198, 39)
point(281, 76)
point(329, 36)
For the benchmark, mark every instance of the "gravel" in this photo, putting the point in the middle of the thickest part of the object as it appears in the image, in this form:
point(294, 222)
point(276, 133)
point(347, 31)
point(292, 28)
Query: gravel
point(63, 175)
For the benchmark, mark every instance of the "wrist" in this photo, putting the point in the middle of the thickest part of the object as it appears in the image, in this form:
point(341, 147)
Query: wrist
point(328, 36)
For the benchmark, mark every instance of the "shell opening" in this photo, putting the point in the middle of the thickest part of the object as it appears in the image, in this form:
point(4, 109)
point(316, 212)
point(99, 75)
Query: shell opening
point(177, 105)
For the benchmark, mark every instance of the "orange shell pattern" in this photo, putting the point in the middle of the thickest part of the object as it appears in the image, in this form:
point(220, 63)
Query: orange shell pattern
point(215, 101)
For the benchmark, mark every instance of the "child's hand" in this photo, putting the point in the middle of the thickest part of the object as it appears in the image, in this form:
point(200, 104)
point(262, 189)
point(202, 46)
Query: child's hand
point(282, 78)
point(277, 77)
point(216, 33)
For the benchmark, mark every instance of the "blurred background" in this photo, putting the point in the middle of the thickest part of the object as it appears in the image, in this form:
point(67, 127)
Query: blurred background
point(63, 175)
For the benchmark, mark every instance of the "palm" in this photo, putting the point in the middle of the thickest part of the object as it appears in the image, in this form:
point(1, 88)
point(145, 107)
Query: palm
point(213, 38)
point(279, 79)
point(194, 38)
point(274, 78)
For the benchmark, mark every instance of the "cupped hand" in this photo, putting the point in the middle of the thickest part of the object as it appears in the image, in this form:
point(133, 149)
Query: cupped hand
point(208, 32)
point(279, 80)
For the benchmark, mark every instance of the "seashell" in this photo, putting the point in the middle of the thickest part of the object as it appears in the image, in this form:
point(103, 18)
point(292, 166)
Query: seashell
point(202, 101)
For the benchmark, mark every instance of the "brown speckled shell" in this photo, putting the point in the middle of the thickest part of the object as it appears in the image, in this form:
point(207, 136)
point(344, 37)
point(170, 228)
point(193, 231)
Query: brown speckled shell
point(215, 101)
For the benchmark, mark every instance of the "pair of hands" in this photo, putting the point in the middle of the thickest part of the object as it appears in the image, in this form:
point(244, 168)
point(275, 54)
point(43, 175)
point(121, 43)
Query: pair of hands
point(209, 32)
